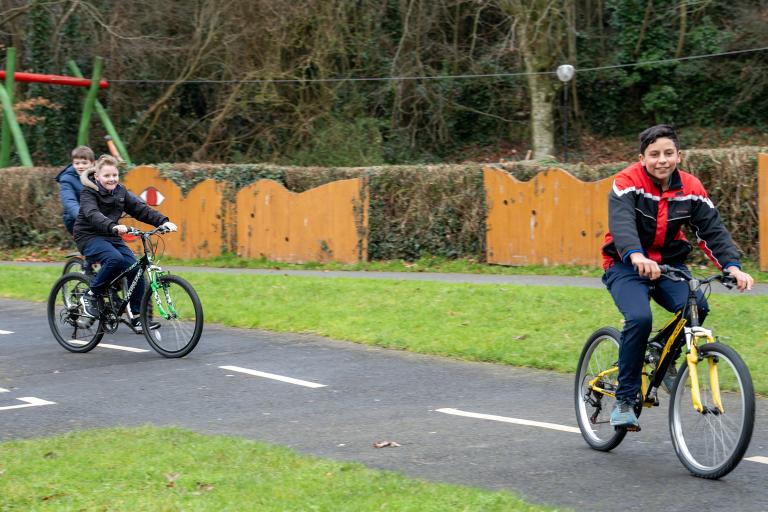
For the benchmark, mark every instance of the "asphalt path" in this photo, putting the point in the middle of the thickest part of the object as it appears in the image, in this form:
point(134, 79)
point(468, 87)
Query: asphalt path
point(346, 397)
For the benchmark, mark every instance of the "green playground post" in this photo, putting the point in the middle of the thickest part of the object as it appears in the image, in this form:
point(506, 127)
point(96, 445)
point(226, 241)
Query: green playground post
point(5, 137)
point(18, 137)
point(90, 98)
point(104, 118)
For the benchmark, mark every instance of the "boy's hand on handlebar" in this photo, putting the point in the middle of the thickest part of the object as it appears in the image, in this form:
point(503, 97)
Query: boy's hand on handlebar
point(120, 229)
point(170, 226)
point(744, 281)
point(646, 267)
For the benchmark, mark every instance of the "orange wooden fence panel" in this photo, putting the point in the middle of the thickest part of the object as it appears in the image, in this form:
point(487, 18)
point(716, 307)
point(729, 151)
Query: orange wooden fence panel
point(552, 219)
point(762, 199)
point(326, 223)
point(198, 215)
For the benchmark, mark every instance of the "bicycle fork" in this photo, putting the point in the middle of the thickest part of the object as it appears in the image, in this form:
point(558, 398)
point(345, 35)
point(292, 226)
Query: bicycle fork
point(155, 285)
point(692, 334)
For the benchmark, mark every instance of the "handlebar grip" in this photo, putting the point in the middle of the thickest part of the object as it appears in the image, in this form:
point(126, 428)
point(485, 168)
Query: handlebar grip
point(728, 280)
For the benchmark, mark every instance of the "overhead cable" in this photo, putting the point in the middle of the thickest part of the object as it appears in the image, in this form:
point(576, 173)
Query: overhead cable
point(434, 77)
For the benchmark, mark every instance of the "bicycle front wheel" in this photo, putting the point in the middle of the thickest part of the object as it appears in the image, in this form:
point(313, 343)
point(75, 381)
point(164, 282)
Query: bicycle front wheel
point(599, 357)
point(172, 317)
point(72, 329)
point(712, 442)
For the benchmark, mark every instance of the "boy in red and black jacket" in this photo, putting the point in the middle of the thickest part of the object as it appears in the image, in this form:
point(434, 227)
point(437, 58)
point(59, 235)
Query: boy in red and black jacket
point(650, 202)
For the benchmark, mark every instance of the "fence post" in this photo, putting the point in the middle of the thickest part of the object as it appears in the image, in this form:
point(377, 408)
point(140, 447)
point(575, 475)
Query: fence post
point(5, 143)
point(762, 208)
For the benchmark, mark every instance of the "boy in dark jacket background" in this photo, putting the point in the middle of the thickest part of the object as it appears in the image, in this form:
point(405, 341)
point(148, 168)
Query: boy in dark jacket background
point(97, 231)
point(70, 185)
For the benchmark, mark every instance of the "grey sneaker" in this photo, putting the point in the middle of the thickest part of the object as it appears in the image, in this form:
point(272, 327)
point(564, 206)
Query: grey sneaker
point(670, 377)
point(623, 415)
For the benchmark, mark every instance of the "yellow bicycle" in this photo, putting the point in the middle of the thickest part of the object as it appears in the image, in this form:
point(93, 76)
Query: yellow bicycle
point(712, 402)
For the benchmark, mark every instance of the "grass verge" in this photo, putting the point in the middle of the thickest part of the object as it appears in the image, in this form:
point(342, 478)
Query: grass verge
point(539, 327)
point(155, 469)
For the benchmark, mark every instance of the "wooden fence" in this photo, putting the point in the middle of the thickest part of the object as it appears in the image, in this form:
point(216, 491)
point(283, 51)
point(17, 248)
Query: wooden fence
point(550, 220)
point(329, 222)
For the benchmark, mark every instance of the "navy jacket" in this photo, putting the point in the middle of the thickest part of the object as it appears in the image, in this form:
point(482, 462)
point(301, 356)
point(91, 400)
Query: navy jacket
point(644, 218)
point(100, 211)
point(69, 193)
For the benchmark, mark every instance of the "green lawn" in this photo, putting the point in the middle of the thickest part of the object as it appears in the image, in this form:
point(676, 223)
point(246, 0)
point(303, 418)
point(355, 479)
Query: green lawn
point(539, 327)
point(151, 469)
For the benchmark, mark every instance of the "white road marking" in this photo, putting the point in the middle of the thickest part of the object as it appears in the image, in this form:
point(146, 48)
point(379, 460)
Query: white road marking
point(31, 401)
point(266, 375)
point(109, 345)
point(516, 421)
point(3, 390)
point(5, 332)
point(758, 458)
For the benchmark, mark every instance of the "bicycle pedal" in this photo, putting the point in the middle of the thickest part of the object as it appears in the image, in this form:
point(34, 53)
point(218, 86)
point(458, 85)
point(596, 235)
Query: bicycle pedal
point(627, 429)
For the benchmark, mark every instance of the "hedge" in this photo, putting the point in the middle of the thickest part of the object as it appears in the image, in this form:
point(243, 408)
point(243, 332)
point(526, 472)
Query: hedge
point(414, 210)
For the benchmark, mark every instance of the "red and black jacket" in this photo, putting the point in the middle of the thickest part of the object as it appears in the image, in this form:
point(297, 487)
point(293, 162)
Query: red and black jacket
point(643, 218)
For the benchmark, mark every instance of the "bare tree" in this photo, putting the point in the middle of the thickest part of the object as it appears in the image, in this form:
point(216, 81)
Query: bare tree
point(539, 28)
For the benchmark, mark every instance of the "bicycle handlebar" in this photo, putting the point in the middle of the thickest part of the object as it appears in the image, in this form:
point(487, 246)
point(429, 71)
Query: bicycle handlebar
point(676, 274)
point(137, 232)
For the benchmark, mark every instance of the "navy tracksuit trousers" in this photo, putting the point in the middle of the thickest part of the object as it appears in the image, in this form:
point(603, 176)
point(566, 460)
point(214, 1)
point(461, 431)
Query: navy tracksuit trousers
point(632, 294)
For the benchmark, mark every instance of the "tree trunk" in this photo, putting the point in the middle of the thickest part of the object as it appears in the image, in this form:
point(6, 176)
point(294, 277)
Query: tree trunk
point(542, 115)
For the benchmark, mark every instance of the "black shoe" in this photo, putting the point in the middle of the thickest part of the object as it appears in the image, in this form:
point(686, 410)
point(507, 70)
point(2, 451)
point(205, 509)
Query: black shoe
point(90, 303)
point(136, 324)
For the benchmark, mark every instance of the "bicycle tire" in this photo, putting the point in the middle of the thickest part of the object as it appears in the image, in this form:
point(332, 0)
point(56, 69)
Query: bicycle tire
point(74, 264)
point(593, 410)
point(73, 330)
point(711, 444)
point(179, 332)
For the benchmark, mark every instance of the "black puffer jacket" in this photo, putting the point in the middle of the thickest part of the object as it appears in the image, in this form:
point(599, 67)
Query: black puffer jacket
point(100, 211)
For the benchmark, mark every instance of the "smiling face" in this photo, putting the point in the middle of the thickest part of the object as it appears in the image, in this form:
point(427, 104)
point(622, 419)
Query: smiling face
point(660, 159)
point(108, 176)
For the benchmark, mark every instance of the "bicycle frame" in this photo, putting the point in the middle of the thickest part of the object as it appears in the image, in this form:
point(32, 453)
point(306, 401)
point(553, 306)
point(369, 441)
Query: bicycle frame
point(153, 271)
point(671, 338)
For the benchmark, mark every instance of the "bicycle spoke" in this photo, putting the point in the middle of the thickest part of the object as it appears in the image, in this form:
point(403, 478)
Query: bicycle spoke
point(593, 407)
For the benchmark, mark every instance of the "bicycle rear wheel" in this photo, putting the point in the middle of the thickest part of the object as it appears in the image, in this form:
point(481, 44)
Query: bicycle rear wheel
point(74, 264)
point(593, 409)
point(72, 329)
point(176, 307)
point(711, 443)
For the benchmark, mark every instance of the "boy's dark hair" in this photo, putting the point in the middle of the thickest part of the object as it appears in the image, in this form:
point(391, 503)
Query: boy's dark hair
point(652, 134)
point(83, 152)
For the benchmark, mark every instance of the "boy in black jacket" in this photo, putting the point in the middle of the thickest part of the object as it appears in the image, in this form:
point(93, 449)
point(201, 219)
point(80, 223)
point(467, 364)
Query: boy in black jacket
point(97, 231)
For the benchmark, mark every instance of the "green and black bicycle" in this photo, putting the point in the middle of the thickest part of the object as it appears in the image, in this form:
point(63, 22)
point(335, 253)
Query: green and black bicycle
point(170, 306)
